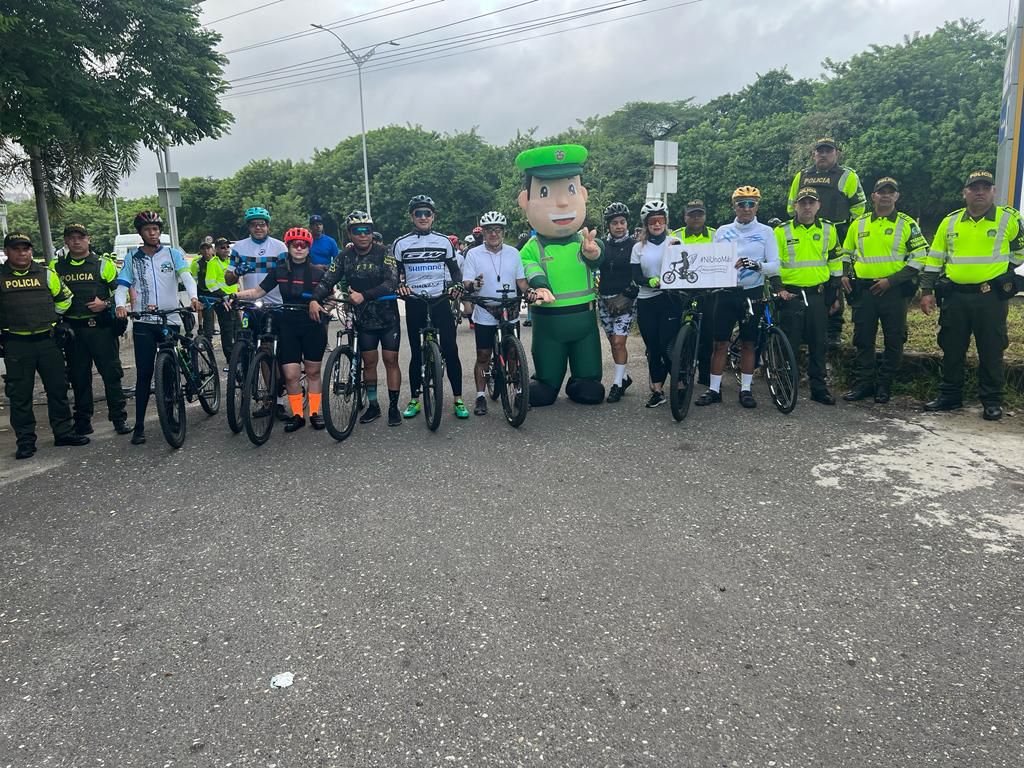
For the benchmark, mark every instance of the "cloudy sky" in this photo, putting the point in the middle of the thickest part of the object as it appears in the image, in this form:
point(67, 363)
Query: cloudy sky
point(484, 71)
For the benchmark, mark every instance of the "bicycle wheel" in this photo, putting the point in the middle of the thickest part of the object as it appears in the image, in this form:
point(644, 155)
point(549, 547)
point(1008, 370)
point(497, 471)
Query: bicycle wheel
point(780, 369)
point(241, 356)
point(491, 378)
point(515, 374)
point(170, 400)
point(259, 397)
point(204, 363)
point(433, 388)
point(733, 356)
point(682, 363)
point(669, 277)
point(341, 400)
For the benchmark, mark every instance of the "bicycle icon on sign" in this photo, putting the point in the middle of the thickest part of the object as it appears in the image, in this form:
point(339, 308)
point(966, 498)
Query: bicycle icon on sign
point(681, 270)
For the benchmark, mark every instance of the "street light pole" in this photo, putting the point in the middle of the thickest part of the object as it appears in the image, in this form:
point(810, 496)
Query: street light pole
point(359, 61)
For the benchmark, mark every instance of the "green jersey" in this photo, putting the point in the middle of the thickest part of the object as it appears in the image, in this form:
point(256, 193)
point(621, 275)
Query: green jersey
point(558, 265)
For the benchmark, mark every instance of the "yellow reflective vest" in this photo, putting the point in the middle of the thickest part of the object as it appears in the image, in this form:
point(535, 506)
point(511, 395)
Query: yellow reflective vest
point(972, 251)
point(808, 254)
point(880, 246)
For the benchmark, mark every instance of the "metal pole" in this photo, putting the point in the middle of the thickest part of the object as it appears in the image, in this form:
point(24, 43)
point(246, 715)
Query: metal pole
point(172, 215)
point(117, 219)
point(362, 126)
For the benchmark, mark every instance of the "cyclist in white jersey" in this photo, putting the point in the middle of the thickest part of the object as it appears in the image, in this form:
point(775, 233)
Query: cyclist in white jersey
point(255, 256)
point(425, 259)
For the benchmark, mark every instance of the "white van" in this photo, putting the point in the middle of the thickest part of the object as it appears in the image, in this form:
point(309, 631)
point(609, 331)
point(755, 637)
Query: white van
point(129, 243)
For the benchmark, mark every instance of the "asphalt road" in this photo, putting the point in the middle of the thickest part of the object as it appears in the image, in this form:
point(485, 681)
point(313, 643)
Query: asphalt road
point(603, 587)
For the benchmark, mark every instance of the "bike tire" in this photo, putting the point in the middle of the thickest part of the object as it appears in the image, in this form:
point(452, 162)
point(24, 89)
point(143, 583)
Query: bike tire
point(259, 397)
point(491, 379)
point(170, 399)
point(692, 277)
point(340, 403)
point(515, 374)
point(204, 364)
point(433, 386)
point(668, 278)
point(780, 370)
point(733, 356)
point(241, 356)
point(682, 362)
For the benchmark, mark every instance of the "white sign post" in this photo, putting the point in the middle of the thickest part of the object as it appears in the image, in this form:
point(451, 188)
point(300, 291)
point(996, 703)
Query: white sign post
point(666, 170)
point(692, 266)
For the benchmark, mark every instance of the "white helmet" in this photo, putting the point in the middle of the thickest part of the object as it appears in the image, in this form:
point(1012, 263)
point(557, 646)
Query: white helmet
point(493, 218)
point(653, 208)
point(469, 238)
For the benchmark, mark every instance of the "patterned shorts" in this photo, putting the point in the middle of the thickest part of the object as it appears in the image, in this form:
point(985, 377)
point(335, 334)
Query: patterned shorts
point(615, 325)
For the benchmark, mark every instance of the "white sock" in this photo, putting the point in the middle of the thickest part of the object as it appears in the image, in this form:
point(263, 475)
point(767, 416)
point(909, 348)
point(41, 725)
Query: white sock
point(746, 381)
point(282, 400)
point(481, 394)
point(716, 383)
point(620, 373)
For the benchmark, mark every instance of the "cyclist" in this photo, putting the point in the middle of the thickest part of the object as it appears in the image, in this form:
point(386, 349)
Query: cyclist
point(757, 257)
point(152, 273)
point(367, 271)
point(657, 314)
point(302, 338)
point(616, 295)
point(423, 255)
point(488, 268)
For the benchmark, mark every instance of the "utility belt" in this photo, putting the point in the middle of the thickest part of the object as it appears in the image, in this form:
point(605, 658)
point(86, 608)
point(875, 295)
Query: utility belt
point(1004, 286)
point(907, 289)
point(809, 289)
point(542, 310)
point(99, 320)
point(38, 336)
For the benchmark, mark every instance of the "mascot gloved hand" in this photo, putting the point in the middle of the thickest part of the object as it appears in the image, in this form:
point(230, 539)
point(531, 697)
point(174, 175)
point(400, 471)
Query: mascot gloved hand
point(561, 259)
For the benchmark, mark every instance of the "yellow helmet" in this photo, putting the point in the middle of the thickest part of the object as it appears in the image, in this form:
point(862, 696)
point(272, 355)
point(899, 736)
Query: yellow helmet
point(746, 193)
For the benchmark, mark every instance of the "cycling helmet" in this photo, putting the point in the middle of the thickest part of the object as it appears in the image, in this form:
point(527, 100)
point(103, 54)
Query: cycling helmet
point(653, 208)
point(378, 237)
point(454, 240)
point(746, 193)
point(358, 217)
point(774, 222)
point(257, 213)
point(470, 239)
point(614, 210)
point(142, 218)
point(298, 233)
point(421, 201)
point(493, 218)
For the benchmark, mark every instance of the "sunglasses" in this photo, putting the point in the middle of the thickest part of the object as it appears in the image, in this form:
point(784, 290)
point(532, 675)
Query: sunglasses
point(746, 204)
point(494, 228)
point(360, 230)
point(298, 244)
point(422, 213)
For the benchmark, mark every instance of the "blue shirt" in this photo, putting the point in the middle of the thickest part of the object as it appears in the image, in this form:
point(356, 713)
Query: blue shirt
point(323, 250)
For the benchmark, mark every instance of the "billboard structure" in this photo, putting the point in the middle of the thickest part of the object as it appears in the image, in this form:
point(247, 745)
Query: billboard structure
point(1010, 158)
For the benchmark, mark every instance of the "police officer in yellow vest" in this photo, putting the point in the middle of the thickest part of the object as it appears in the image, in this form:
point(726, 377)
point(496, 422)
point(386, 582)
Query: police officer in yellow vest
point(879, 284)
point(970, 269)
point(90, 278)
point(208, 270)
point(809, 263)
point(31, 298)
point(696, 230)
point(842, 198)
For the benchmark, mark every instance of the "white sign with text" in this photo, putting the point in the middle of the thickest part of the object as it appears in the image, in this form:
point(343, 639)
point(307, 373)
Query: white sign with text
point(690, 266)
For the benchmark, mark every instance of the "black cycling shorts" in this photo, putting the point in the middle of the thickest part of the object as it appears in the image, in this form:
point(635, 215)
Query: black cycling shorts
point(485, 335)
point(730, 308)
point(388, 339)
point(300, 338)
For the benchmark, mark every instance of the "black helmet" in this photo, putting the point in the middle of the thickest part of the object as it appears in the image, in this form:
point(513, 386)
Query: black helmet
point(357, 217)
point(378, 237)
point(142, 218)
point(421, 201)
point(615, 209)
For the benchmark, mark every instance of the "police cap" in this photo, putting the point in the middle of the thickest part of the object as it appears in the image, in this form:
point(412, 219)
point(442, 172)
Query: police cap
point(807, 192)
point(17, 238)
point(887, 181)
point(826, 141)
point(695, 205)
point(555, 161)
point(982, 176)
point(76, 229)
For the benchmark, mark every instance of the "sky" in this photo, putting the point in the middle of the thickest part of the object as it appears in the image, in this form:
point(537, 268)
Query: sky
point(696, 50)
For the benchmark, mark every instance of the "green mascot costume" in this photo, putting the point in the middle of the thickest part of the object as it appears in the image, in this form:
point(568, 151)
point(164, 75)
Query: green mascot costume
point(559, 263)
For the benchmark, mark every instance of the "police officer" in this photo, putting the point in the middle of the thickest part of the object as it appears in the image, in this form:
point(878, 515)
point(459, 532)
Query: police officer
point(91, 279)
point(842, 198)
point(208, 270)
point(809, 264)
point(971, 265)
point(31, 298)
point(696, 230)
point(880, 284)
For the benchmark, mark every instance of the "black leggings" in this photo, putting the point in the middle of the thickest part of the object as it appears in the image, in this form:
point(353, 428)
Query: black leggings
point(146, 337)
point(441, 318)
point(658, 318)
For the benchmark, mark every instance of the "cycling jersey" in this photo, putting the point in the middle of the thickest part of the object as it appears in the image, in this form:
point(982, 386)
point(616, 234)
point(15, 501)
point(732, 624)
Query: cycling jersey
point(373, 274)
point(423, 258)
point(754, 241)
point(295, 281)
point(251, 260)
point(154, 280)
point(647, 256)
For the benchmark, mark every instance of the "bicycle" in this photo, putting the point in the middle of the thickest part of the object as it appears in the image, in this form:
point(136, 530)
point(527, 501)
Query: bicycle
point(680, 269)
point(185, 370)
point(508, 375)
point(343, 385)
point(259, 394)
point(241, 355)
point(773, 354)
point(683, 357)
point(433, 363)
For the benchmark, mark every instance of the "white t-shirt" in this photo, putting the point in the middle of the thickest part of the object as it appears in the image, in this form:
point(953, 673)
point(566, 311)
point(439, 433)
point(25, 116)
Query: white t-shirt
point(648, 256)
point(498, 269)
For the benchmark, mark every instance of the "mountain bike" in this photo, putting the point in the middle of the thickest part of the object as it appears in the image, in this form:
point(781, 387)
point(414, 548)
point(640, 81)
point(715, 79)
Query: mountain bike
point(433, 362)
point(261, 388)
point(185, 370)
point(343, 386)
point(773, 354)
point(683, 357)
point(508, 375)
point(241, 355)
